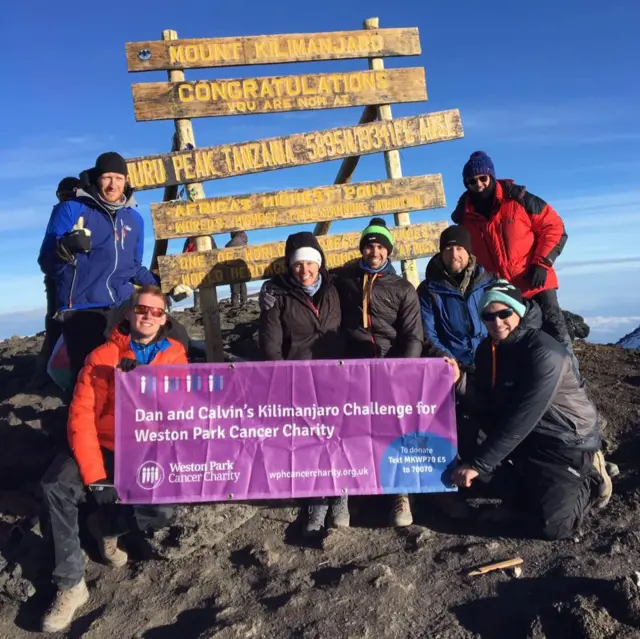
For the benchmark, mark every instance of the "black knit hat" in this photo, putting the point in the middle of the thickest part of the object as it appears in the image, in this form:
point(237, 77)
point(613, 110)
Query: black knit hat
point(377, 231)
point(297, 242)
point(67, 184)
point(455, 235)
point(110, 162)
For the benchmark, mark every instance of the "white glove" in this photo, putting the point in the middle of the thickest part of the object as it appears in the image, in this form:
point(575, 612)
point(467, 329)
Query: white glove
point(181, 292)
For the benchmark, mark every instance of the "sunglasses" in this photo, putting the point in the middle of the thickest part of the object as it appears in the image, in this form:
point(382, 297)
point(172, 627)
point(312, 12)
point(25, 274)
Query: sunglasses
point(479, 179)
point(492, 317)
point(141, 309)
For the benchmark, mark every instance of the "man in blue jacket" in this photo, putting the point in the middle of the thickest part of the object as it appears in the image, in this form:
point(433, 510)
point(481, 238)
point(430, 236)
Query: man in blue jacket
point(449, 299)
point(92, 252)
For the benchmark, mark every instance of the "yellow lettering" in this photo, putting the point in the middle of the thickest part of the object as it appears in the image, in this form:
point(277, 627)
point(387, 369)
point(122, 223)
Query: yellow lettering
point(178, 166)
point(234, 89)
point(185, 93)
point(189, 173)
point(219, 91)
point(382, 80)
point(260, 49)
point(175, 55)
point(191, 53)
point(250, 89)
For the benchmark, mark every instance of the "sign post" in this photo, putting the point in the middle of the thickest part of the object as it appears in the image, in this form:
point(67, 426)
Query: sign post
point(208, 296)
point(377, 132)
point(392, 161)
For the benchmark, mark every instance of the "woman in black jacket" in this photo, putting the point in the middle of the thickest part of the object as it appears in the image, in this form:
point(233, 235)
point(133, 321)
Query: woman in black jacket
point(536, 413)
point(303, 324)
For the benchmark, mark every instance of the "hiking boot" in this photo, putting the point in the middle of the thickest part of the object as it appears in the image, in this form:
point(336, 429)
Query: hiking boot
point(107, 546)
point(317, 513)
point(64, 606)
point(401, 513)
point(339, 512)
point(604, 489)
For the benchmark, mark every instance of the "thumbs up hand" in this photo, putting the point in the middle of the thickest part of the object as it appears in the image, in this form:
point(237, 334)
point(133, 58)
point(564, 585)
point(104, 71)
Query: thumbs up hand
point(77, 240)
point(79, 226)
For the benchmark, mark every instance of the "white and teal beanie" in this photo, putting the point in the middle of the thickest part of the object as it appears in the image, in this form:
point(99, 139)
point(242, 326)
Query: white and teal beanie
point(505, 293)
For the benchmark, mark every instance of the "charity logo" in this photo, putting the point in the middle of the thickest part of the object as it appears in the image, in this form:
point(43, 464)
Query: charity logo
point(150, 475)
point(149, 384)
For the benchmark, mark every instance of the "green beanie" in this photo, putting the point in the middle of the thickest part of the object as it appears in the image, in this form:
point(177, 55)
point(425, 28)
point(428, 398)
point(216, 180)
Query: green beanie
point(377, 231)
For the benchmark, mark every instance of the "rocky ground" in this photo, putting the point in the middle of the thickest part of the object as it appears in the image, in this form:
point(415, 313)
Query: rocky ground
point(244, 570)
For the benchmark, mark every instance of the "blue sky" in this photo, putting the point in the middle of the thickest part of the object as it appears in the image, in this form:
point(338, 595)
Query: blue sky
point(548, 89)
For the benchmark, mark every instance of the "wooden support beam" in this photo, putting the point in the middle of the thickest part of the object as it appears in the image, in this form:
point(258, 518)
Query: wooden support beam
point(392, 161)
point(170, 193)
point(348, 167)
point(208, 296)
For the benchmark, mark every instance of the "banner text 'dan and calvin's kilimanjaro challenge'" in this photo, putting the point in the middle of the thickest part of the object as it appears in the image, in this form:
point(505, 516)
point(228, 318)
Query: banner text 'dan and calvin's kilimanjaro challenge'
point(213, 432)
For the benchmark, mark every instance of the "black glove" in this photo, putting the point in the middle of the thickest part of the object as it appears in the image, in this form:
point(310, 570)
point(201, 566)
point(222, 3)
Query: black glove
point(104, 493)
point(538, 276)
point(266, 299)
point(127, 364)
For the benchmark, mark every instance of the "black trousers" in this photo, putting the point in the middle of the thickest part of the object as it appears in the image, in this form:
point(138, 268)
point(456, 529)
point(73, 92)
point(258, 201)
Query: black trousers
point(553, 322)
point(238, 295)
point(552, 486)
point(63, 491)
point(83, 332)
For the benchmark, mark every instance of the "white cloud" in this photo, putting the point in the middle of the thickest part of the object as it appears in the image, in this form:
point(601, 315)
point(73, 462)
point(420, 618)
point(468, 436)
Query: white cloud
point(611, 323)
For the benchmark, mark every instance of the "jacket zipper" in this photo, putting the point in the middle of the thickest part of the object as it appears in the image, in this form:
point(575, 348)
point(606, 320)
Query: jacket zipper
point(494, 365)
point(115, 246)
point(73, 283)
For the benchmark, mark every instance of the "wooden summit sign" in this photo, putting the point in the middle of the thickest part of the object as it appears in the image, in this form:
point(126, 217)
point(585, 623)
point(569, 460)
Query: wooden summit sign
point(271, 49)
point(228, 266)
point(210, 163)
point(254, 211)
point(206, 98)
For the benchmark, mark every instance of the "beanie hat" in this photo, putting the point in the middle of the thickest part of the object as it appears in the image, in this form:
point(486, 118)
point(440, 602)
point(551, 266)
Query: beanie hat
point(110, 162)
point(505, 293)
point(68, 184)
point(478, 164)
point(303, 246)
point(377, 231)
point(455, 235)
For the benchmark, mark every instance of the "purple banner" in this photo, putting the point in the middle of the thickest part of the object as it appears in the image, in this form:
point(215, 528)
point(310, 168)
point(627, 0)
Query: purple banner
point(255, 430)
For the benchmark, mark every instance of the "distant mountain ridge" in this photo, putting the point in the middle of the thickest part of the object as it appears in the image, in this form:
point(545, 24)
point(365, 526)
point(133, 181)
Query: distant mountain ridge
point(632, 340)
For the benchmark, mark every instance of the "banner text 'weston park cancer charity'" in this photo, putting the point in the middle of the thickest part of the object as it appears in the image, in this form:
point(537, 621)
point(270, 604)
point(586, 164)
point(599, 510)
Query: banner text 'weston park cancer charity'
point(254, 430)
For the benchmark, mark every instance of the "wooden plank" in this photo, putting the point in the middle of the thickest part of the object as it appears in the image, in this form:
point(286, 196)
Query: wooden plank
point(276, 94)
point(242, 264)
point(270, 49)
point(296, 206)
point(210, 163)
point(392, 160)
point(347, 167)
point(208, 299)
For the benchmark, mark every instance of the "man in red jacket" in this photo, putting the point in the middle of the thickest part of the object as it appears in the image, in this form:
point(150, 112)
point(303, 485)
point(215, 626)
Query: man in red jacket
point(145, 336)
point(515, 235)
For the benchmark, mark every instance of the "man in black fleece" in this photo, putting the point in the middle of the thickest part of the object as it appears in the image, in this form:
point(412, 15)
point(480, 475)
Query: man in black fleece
point(381, 315)
point(537, 415)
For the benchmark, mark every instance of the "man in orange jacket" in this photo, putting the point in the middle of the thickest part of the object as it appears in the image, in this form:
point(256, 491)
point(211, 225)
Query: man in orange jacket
point(515, 235)
point(143, 337)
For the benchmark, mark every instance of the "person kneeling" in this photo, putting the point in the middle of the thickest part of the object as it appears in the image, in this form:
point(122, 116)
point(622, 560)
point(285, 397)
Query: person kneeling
point(537, 415)
point(143, 337)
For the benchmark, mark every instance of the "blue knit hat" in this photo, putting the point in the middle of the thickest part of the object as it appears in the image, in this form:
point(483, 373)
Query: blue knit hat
point(505, 293)
point(478, 164)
